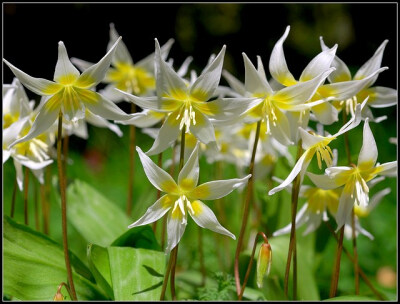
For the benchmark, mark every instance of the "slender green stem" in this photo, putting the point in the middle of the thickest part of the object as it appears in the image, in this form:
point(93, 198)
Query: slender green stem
point(249, 194)
point(292, 243)
point(62, 183)
point(132, 138)
point(355, 254)
point(26, 186)
point(173, 266)
point(14, 194)
point(336, 272)
point(166, 277)
point(35, 193)
point(246, 278)
point(360, 271)
point(201, 257)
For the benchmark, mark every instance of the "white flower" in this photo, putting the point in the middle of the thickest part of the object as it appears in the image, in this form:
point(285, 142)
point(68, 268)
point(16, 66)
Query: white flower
point(184, 198)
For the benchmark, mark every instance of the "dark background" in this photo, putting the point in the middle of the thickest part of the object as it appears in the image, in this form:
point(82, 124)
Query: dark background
point(31, 32)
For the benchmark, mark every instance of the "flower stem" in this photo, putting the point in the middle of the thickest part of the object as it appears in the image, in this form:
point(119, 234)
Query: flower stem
point(249, 194)
point(35, 194)
point(62, 183)
point(159, 163)
point(292, 243)
point(360, 271)
point(166, 276)
point(65, 154)
point(173, 266)
point(355, 254)
point(14, 194)
point(132, 138)
point(201, 257)
point(262, 234)
point(336, 272)
point(26, 186)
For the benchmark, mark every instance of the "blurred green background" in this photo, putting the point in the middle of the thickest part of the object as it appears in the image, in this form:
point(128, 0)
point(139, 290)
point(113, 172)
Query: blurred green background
point(30, 36)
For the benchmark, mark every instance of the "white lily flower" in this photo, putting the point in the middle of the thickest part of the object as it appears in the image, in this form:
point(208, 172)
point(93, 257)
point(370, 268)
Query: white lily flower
point(317, 144)
point(360, 85)
point(70, 92)
point(135, 78)
point(184, 198)
point(354, 179)
point(188, 104)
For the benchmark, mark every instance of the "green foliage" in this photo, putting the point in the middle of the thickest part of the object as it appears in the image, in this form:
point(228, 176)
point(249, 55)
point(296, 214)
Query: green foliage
point(223, 290)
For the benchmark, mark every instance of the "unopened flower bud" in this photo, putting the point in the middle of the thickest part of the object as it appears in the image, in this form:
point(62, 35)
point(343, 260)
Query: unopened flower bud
point(58, 297)
point(263, 263)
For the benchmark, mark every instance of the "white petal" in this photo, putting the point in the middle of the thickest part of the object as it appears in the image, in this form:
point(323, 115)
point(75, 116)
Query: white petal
point(326, 113)
point(354, 121)
point(319, 64)
point(277, 63)
point(39, 86)
point(300, 167)
point(382, 97)
point(99, 121)
point(39, 174)
point(167, 135)
point(143, 119)
point(35, 165)
point(151, 102)
point(322, 181)
point(185, 66)
point(110, 92)
point(232, 108)
point(260, 69)
point(342, 72)
point(346, 203)
point(388, 169)
point(281, 130)
point(372, 64)
point(81, 64)
point(175, 229)
point(64, 67)
point(206, 84)
point(369, 151)
point(168, 82)
point(301, 218)
point(377, 198)
point(12, 132)
point(148, 63)
point(309, 140)
point(254, 83)
point(6, 155)
point(43, 121)
point(190, 171)
point(205, 218)
point(19, 174)
point(154, 212)
point(234, 83)
point(121, 54)
point(157, 176)
point(217, 189)
point(203, 129)
point(106, 109)
point(313, 222)
point(96, 73)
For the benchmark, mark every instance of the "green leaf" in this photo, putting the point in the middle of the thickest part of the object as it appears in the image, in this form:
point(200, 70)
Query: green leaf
point(100, 266)
point(351, 298)
point(34, 266)
point(97, 219)
point(138, 237)
point(137, 274)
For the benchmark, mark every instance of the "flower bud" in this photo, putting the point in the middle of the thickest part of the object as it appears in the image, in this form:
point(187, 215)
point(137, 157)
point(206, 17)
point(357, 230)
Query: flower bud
point(58, 297)
point(263, 263)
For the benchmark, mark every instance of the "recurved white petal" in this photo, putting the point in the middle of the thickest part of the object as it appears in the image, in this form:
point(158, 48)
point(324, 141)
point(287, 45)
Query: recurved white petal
point(205, 218)
point(377, 198)
point(147, 63)
point(369, 151)
point(65, 71)
point(277, 63)
point(185, 66)
point(204, 86)
point(155, 211)
point(254, 82)
point(6, 155)
point(281, 130)
point(373, 64)
point(381, 97)
point(106, 109)
point(151, 102)
point(12, 132)
point(144, 119)
point(217, 189)
point(301, 218)
point(81, 64)
point(99, 121)
point(326, 113)
point(388, 169)
point(35, 165)
point(19, 174)
point(319, 64)
point(189, 175)
point(346, 203)
point(234, 83)
point(300, 167)
point(203, 129)
point(157, 176)
point(39, 86)
point(176, 226)
point(226, 108)
point(121, 54)
point(96, 73)
point(323, 181)
point(167, 135)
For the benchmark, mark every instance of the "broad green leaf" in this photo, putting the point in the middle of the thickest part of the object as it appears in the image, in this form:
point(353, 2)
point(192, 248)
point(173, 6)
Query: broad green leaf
point(100, 266)
point(138, 237)
point(137, 274)
point(34, 266)
point(97, 219)
point(252, 294)
point(350, 298)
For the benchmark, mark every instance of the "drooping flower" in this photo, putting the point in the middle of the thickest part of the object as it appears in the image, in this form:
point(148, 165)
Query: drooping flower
point(355, 178)
point(312, 144)
point(184, 197)
point(188, 104)
point(70, 93)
